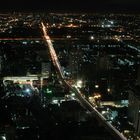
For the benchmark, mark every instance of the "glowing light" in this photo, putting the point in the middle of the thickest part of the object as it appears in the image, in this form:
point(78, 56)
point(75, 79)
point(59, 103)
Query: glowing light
point(92, 37)
point(97, 96)
point(111, 22)
point(55, 101)
point(3, 138)
point(73, 94)
point(103, 112)
point(108, 90)
point(68, 36)
point(79, 83)
point(96, 86)
point(27, 90)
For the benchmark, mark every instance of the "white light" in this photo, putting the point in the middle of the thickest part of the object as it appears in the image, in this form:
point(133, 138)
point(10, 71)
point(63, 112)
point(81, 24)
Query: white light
point(73, 94)
point(79, 83)
point(108, 25)
point(55, 101)
point(111, 22)
point(96, 86)
point(108, 89)
point(68, 36)
point(27, 90)
point(111, 118)
point(92, 37)
point(103, 112)
point(3, 138)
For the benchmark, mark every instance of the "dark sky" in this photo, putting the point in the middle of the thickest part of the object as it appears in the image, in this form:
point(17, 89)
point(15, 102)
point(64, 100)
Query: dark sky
point(72, 5)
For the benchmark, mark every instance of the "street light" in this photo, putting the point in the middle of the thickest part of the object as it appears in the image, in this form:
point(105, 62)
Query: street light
point(96, 86)
point(108, 90)
point(92, 37)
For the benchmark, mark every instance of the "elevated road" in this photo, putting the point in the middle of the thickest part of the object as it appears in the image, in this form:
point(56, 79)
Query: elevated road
point(117, 135)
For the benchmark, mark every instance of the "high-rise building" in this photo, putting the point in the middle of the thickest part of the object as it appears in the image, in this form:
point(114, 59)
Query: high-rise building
point(46, 69)
point(138, 77)
point(134, 108)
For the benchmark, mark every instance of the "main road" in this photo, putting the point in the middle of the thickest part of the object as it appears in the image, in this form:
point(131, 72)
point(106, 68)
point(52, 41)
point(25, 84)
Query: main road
point(117, 135)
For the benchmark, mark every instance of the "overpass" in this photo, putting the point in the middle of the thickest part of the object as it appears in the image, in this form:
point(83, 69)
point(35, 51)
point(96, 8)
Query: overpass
point(117, 135)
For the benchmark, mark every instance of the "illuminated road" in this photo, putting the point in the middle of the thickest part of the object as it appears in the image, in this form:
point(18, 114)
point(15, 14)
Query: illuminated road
point(52, 52)
point(89, 106)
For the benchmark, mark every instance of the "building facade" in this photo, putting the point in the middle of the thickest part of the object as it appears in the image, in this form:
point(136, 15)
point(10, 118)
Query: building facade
point(134, 109)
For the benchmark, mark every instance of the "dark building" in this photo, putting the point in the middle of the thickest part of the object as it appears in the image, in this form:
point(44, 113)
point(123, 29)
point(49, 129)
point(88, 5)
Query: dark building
point(134, 108)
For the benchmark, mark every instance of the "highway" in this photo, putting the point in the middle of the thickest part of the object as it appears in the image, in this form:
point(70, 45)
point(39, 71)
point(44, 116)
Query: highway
point(117, 135)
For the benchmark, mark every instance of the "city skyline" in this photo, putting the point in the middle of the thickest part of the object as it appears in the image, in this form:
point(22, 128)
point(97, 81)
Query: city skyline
point(60, 74)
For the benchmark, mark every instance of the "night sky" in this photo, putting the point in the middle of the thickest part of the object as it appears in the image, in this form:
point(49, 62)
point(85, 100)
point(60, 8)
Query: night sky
point(73, 5)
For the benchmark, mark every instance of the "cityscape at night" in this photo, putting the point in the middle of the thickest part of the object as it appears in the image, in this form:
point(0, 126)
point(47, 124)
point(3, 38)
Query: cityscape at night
point(70, 75)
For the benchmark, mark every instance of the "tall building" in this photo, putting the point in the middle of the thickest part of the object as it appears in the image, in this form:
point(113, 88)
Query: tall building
point(138, 77)
point(46, 69)
point(134, 108)
point(134, 105)
point(103, 72)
